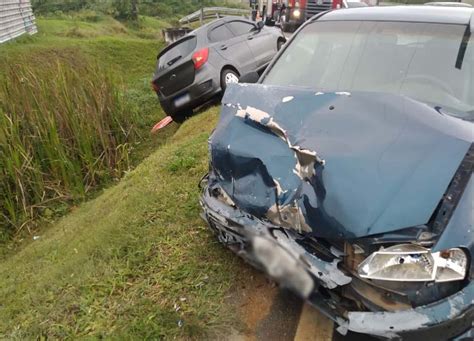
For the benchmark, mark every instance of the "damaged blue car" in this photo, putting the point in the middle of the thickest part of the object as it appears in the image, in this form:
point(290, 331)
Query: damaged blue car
point(345, 172)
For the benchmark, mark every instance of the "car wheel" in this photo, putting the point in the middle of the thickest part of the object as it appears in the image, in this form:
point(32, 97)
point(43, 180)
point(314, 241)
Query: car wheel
point(181, 116)
point(280, 43)
point(228, 76)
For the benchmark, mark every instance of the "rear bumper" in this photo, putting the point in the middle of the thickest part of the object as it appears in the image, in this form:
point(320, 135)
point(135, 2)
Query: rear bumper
point(273, 250)
point(206, 84)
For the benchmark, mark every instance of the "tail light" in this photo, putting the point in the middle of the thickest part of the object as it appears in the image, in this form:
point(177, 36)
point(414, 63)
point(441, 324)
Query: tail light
point(200, 58)
point(155, 86)
point(302, 3)
point(291, 3)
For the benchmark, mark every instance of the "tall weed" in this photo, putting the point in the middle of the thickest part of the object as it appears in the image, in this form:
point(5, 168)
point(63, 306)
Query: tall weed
point(64, 129)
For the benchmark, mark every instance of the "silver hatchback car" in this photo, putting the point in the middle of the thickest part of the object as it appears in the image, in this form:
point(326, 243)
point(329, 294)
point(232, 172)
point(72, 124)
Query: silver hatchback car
point(200, 65)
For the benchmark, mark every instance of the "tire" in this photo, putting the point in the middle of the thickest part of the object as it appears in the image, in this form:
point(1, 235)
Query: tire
point(280, 43)
point(181, 116)
point(288, 28)
point(228, 76)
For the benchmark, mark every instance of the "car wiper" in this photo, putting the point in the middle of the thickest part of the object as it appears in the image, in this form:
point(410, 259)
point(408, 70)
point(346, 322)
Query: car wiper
point(174, 60)
point(463, 47)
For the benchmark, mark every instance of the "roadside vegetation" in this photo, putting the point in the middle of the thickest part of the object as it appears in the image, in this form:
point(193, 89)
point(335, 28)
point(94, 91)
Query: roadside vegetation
point(75, 112)
point(124, 9)
point(136, 262)
point(107, 238)
point(76, 105)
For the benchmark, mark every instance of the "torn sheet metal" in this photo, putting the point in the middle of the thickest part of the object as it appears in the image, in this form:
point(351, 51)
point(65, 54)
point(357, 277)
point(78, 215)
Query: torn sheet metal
point(341, 165)
point(277, 252)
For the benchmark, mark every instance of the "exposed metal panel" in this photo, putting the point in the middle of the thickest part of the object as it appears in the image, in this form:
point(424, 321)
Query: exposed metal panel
point(16, 18)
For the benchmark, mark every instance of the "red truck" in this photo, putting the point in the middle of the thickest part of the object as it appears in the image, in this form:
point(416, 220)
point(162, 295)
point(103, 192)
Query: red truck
point(296, 12)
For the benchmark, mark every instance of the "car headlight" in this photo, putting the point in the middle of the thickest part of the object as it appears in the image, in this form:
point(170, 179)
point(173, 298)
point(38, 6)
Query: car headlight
point(414, 263)
point(296, 13)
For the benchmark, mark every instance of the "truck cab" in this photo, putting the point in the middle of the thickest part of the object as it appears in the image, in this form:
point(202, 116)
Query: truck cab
point(298, 11)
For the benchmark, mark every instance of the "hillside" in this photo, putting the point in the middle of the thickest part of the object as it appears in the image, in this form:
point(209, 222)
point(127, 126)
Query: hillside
point(134, 259)
point(121, 9)
point(121, 264)
point(85, 65)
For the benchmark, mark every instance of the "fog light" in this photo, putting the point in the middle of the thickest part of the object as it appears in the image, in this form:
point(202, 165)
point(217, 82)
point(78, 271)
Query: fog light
point(414, 263)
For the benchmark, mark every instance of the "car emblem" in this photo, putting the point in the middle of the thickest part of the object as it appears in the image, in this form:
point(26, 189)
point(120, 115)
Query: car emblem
point(319, 2)
point(173, 76)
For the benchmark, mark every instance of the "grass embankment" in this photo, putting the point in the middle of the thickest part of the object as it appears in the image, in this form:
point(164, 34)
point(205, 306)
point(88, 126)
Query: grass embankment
point(75, 112)
point(135, 262)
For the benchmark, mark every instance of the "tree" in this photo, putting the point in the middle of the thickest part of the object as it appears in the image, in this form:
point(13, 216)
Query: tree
point(134, 10)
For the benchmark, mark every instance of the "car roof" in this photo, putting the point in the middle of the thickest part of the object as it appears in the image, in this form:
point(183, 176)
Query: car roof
point(219, 21)
point(447, 3)
point(430, 14)
point(201, 33)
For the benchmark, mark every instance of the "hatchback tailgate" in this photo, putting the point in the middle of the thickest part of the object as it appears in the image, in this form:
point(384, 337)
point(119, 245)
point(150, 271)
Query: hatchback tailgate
point(174, 79)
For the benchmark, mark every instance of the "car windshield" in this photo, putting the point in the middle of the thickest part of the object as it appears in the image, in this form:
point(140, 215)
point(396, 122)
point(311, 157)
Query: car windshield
point(432, 63)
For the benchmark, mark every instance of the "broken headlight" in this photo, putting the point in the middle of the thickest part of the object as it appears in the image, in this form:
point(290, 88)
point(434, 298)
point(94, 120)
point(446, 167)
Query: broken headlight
point(414, 263)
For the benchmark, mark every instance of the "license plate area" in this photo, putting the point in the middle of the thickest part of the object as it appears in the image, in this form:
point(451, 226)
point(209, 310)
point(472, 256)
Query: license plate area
point(181, 100)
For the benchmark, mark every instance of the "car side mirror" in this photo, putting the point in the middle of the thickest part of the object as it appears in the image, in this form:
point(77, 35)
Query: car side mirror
point(251, 77)
point(260, 25)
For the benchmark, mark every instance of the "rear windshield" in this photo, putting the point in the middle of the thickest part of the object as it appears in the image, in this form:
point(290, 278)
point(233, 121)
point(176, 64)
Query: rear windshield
point(175, 52)
point(432, 63)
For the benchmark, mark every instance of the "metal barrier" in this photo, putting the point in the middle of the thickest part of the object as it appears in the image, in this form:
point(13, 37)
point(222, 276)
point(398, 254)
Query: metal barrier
point(16, 18)
point(213, 13)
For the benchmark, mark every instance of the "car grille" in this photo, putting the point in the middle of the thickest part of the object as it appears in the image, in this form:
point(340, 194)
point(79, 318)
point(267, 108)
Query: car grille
point(314, 7)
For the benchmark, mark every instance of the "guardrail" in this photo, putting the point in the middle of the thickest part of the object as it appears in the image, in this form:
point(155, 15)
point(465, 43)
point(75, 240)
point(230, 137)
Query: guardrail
point(16, 18)
point(170, 35)
point(212, 13)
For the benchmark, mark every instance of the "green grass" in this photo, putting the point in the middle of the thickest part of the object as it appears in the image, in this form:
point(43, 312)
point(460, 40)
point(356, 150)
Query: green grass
point(120, 265)
point(135, 261)
point(76, 108)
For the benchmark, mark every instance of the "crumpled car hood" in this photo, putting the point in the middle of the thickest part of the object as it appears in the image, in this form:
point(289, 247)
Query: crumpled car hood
point(339, 165)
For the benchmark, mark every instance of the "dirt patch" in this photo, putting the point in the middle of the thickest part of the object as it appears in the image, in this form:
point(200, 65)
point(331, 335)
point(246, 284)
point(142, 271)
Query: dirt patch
point(253, 296)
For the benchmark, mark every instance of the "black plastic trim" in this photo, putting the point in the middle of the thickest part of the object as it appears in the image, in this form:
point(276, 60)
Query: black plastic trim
point(453, 194)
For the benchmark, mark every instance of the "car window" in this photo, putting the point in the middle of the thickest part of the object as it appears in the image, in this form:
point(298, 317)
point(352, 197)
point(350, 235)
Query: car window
point(421, 60)
point(220, 33)
point(240, 27)
point(176, 51)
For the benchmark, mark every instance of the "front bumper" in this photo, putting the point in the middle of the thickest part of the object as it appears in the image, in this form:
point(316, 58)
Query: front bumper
point(273, 250)
point(291, 21)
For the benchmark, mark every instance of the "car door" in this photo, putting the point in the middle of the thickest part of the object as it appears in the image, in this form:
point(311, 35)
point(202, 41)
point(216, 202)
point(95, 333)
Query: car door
point(232, 48)
point(261, 42)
